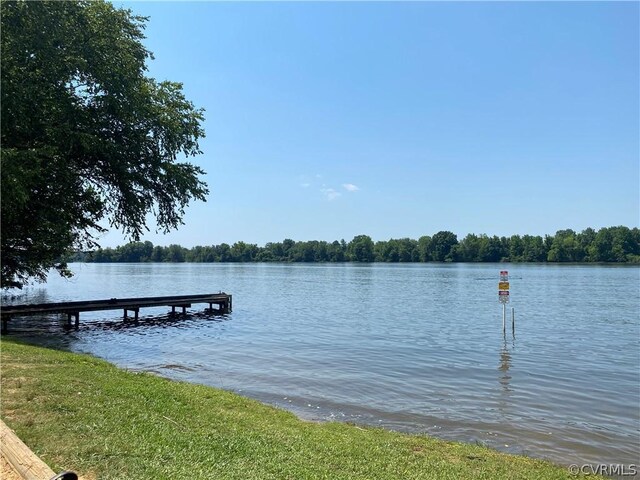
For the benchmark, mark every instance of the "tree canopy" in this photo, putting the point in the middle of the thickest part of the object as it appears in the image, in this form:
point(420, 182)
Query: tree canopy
point(88, 139)
point(610, 244)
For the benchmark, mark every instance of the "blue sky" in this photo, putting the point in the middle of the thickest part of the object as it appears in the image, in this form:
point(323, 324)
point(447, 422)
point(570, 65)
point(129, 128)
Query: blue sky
point(329, 120)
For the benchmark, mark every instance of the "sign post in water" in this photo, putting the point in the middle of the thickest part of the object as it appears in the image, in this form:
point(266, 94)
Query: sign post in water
point(503, 296)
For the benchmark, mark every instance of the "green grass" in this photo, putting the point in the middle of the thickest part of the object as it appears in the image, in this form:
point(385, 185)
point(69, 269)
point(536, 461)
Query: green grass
point(77, 412)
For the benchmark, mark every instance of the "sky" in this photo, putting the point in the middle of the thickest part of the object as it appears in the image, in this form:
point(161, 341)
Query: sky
point(329, 120)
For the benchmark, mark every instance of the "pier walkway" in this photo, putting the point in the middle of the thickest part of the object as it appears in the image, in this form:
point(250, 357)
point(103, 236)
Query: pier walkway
point(223, 302)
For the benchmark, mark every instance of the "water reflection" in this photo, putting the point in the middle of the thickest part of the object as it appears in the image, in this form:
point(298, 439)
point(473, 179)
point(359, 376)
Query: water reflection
point(55, 325)
point(28, 295)
point(505, 400)
point(505, 365)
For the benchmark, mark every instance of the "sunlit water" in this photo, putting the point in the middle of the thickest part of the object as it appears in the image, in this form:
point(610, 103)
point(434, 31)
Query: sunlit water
point(412, 347)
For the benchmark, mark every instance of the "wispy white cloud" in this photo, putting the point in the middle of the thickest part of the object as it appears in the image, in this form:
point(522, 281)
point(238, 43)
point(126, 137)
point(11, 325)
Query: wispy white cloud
point(330, 193)
point(316, 182)
point(350, 187)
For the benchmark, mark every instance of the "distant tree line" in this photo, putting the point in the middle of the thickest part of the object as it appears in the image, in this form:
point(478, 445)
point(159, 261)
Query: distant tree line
point(613, 244)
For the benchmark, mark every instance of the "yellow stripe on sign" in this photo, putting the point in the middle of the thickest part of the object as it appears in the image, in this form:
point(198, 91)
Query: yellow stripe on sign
point(503, 286)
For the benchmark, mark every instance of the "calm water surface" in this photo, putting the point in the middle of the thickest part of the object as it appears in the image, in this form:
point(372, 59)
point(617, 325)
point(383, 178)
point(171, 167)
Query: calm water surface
point(412, 347)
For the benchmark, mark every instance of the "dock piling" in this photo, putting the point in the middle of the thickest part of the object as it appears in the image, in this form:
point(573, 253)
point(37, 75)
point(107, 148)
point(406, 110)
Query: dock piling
point(76, 317)
point(135, 311)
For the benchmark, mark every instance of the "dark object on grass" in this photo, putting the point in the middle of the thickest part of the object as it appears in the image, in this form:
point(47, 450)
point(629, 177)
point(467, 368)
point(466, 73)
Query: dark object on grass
point(66, 475)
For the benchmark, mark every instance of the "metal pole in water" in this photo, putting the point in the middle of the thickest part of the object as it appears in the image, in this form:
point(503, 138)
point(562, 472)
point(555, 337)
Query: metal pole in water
point(513, 320)
point(504, 318)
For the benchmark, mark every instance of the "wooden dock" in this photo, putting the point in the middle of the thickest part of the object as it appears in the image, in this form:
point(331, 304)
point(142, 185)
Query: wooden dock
point(222, 301)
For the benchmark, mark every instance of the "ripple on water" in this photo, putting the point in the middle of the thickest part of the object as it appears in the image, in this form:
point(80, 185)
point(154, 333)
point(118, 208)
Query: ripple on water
point(416, 348)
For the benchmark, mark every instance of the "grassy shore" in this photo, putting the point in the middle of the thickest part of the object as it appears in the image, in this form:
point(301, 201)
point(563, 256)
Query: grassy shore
point(77, 412)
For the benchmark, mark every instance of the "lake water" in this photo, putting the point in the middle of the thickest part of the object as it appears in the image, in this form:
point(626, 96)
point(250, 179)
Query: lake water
point(412, 347)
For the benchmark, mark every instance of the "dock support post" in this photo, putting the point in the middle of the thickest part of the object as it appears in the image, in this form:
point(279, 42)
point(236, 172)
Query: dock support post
point(77, 323)
point(230, 303)
point(184, 308)
point(5, 325)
